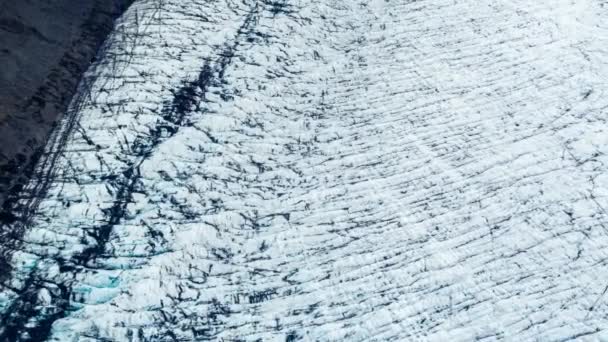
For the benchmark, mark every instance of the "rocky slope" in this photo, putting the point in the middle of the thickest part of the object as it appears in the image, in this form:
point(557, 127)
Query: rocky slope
point(45, 47)
point(325, 170)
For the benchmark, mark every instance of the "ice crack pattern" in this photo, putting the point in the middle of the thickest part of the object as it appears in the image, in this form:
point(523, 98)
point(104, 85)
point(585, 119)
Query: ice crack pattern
point(323, 170)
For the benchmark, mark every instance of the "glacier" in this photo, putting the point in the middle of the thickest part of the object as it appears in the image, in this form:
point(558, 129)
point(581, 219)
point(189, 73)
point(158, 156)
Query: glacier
point(320, 170)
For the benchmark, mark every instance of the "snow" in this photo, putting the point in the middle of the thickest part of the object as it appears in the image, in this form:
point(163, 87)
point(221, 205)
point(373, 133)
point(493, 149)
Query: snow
point(383, 170)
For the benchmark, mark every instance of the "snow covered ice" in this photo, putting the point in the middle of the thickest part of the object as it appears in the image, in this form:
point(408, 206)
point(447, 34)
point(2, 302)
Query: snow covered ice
point(244, 170)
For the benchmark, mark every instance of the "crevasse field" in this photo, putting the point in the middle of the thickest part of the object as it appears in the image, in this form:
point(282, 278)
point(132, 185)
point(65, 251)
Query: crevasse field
point(325, 170)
